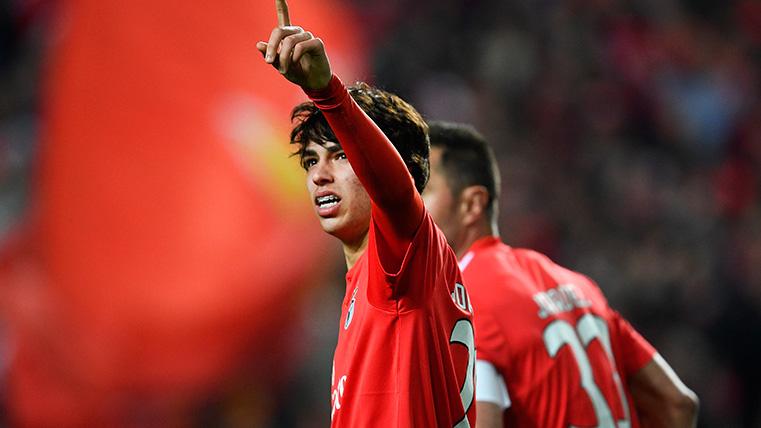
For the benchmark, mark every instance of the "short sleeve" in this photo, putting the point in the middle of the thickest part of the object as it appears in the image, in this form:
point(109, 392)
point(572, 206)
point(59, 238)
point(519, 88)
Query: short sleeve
point(491, 344)
point(490, 385)
point(634, 351)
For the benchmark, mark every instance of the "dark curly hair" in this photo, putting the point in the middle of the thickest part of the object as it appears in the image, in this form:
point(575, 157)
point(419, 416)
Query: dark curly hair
point(401, 123)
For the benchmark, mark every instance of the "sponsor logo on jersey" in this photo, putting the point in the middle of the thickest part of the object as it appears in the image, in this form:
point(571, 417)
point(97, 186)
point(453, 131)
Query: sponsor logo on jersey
point(337, 395)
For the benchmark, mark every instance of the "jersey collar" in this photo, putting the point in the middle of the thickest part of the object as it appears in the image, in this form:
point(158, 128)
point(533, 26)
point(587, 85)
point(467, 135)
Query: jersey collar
point(480, 243)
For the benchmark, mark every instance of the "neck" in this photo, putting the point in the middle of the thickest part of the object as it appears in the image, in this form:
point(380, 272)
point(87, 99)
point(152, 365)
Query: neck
point(354, 250)
point(472, 234)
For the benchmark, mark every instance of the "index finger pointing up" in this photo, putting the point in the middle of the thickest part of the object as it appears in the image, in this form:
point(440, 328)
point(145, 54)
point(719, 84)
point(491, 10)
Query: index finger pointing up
point(283, 20)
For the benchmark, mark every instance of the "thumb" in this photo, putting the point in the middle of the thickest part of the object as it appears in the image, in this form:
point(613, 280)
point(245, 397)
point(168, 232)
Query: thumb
point(262, 47)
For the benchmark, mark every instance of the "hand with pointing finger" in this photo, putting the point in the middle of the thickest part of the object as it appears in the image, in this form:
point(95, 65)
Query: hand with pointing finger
point(296, 53)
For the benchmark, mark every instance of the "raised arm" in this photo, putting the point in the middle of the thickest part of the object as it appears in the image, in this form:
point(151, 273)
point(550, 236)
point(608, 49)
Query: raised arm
point(397, 207)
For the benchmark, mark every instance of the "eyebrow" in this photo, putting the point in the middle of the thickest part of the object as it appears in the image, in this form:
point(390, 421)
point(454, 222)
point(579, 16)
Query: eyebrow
point(331, 149)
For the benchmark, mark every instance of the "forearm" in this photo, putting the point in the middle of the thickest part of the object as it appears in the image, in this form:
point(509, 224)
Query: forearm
point(489, 415)
point(661, 399)
point(669, 415)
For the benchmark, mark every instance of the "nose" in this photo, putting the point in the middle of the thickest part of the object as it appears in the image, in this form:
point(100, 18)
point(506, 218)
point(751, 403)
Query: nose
point(322, 173)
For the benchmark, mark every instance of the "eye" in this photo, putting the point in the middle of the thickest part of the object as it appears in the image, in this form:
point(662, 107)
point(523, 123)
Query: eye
point(340, 155)
point(308, 162)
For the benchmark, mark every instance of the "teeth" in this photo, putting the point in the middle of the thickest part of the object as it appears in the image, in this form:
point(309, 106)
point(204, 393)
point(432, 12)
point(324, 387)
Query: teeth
point(327, 201)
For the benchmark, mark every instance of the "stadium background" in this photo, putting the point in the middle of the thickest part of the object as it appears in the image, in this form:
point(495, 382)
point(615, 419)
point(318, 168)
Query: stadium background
point(629, 137)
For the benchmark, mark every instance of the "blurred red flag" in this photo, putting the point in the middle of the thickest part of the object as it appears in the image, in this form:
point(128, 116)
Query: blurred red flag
point(170, 235)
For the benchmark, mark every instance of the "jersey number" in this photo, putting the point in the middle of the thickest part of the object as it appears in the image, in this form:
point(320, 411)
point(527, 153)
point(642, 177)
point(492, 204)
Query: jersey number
point(589, 327)
point(463, 334)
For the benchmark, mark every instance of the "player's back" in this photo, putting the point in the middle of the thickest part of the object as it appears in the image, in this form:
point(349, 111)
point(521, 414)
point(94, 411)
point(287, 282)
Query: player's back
point(563, 353)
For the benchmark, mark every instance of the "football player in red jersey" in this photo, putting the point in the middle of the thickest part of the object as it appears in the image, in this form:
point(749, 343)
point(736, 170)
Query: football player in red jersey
point(405, 355)
point(551, 352)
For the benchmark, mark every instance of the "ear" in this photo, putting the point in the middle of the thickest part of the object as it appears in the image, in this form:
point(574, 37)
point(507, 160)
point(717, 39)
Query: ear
point(473, 202)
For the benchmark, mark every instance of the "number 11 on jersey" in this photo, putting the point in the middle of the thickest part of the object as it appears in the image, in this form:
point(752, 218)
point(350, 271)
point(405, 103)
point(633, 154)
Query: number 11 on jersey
point(560, 333)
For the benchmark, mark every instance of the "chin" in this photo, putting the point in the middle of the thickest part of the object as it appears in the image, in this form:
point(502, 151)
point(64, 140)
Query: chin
point(334, 227)
point(330, 226)
point(346, 233)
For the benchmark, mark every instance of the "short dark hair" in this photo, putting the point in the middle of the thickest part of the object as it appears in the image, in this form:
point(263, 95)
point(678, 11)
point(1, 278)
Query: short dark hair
point(401, 123)
point(466, 159)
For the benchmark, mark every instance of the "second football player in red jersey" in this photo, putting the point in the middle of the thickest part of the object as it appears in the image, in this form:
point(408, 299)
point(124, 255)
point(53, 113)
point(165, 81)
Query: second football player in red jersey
point(551, 352)
point(405, 355)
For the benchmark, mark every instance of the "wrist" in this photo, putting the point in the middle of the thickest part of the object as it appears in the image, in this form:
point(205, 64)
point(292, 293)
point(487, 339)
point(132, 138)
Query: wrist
point(320, 84)
point(326, 94)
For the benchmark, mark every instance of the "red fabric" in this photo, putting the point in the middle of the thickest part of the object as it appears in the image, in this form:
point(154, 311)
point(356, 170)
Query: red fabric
point(394, 365)
point(513, 331)
point(160, 253)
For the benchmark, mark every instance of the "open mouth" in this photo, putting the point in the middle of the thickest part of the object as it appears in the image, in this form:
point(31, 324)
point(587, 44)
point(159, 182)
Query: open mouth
point(327, 201)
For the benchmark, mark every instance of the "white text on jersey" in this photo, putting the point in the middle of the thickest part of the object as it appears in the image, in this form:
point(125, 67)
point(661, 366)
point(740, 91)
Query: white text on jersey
point(460, 297)
point(563, 298)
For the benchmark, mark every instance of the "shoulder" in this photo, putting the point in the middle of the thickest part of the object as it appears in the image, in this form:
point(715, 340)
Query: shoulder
point(429, 263)
point(537, 261)
point(498, 263)
point(434, 249)
point(427, 249)
point(495, 279)
point(506, 259)
point(545, 270)
point(490, 257)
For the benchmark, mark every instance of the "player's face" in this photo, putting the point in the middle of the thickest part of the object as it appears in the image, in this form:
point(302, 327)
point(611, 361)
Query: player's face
point(339, 199)
point(439, 200)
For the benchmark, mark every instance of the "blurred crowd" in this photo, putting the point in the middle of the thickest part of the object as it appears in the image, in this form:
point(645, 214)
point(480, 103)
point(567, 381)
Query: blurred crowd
point(20, 55)
point(22, 31)
point(629, 138)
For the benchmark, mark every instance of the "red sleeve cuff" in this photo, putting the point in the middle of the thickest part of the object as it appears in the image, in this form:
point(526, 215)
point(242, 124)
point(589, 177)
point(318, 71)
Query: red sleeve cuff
point(330, 96)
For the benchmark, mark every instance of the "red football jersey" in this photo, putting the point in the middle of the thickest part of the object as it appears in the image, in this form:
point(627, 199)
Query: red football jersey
point(564, 354)
point(405, 355)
